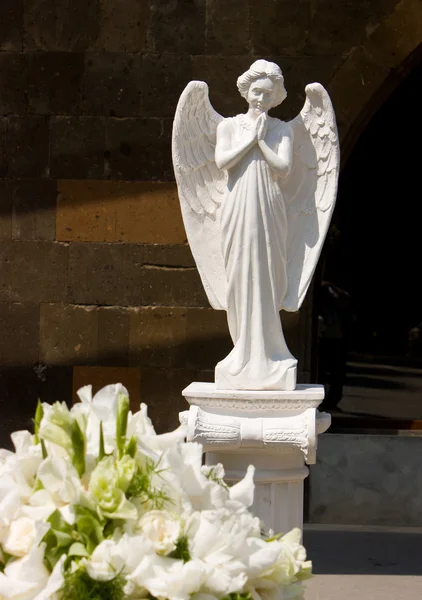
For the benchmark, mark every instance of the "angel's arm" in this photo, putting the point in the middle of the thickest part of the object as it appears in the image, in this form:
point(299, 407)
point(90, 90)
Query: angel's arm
point(226, 156)
point(280, 162)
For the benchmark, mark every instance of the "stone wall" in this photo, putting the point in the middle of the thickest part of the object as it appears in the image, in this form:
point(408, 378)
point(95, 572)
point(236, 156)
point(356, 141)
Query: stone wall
point(96, 280)
point(364, 479)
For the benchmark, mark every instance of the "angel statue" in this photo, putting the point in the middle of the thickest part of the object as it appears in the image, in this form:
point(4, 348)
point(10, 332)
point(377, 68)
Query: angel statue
point(257, 195)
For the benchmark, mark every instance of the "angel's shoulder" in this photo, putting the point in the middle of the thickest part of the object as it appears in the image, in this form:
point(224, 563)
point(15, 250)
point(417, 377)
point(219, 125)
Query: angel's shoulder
point(226, 126)
point(227, 123)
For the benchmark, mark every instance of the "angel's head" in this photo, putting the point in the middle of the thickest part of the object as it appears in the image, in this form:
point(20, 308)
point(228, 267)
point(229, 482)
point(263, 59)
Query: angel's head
point(262, 85)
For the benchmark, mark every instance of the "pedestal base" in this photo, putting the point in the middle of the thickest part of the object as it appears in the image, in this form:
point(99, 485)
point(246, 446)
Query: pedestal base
point(276, 431)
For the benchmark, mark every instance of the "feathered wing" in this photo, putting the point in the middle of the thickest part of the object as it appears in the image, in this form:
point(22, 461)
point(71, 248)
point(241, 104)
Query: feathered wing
point(201, 186)
point(310, 190)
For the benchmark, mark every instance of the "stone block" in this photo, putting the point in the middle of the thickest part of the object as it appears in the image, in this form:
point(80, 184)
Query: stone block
point(366, 480)
point(397, 36)
point(151, 215)
point(338, 27)
point(138, 149)
point(68, 334)
point(163, 79)
point(60, 25)
point(113, 336)
point(86, 211)
point(163, 286)
point(20, 388)
point(13, 73)
point(33, 271)
point(174, 337)
point(19, 326)
point(161, 390)
point(3, 148)
point(168, 256)
point(34, 209)
point(228, 27)
point(5, 210)
point(54, 82)
point(123, 211)
point(279, 27)
point(157, 335)
point(208, 339)
point(107, 274)
point(77, 147)
point(123, 30)
point(27, 146)
point(111, 84)
point(178, 25)
point(221, 75)
point(11, 25)
point(99, 377)
point(353, 86)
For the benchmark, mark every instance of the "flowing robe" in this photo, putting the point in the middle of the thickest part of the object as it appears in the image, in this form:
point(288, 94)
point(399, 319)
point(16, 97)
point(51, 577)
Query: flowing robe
point(254, 244)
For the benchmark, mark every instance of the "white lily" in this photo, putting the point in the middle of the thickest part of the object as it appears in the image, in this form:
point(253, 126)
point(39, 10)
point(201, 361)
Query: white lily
point(169, 578)
point(40, 506)
point(101, 408)
point(60, 479)
point(9, 509)
point(26, 577)
point(55, 582)
point(29, 455)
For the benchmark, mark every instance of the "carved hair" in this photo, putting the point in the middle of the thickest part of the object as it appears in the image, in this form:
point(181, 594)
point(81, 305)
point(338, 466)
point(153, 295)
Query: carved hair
point(258, 70)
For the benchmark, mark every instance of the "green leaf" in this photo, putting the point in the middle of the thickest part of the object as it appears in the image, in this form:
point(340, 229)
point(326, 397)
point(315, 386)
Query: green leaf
point(77, 550)
point(39, 413)
point(274, 538)
point(101, 452)
point(37, 486)
point(89, 528)
point(78, 445)
point(58, 523)
point(58, 538)
point(237, 596)
point(132, 447)
point(121, 422)
point(43, 449)
point(182, 549)
point(4, 559)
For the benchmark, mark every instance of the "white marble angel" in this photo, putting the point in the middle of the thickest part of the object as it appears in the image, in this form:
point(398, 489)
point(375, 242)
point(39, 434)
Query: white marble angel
point(257, 195)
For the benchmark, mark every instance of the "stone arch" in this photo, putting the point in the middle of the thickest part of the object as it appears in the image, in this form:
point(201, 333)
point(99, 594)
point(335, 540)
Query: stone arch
point(374, 69)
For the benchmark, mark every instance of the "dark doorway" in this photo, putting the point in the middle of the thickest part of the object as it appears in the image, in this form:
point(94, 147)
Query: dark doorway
point(369, 303)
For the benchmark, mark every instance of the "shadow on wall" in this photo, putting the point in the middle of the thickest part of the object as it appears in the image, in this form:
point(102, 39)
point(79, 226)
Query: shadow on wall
point(155, 374)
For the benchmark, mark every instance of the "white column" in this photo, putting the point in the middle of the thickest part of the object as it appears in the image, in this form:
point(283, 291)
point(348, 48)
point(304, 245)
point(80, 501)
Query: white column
point(273, 430)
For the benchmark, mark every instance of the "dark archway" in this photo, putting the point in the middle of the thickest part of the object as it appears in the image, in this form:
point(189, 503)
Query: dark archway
point(369, 304)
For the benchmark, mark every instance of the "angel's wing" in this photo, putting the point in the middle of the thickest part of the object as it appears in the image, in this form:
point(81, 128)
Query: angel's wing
point(310, 190)
point(201, 186)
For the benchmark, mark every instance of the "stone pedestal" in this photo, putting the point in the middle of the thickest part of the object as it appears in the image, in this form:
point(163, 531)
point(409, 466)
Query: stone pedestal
point(276, 431)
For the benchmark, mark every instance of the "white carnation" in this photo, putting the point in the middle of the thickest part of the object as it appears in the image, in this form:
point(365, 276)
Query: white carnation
point(161, 529)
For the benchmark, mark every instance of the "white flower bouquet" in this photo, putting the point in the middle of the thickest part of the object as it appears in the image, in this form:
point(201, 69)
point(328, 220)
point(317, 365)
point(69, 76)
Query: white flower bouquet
point(95, 506)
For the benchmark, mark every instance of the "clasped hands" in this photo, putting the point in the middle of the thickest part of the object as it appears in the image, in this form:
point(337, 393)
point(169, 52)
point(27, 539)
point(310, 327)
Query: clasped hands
point(260, 128)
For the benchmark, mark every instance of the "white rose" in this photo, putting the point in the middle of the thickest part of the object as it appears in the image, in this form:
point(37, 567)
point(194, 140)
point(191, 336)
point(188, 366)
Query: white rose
point(161, 529)
point(21, 538)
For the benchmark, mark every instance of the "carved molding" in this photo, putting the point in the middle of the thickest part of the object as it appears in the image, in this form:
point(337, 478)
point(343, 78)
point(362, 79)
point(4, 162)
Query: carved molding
point(231, 433)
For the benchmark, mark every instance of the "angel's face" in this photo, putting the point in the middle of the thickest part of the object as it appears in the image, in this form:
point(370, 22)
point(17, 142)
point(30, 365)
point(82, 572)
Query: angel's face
point(261, 95)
